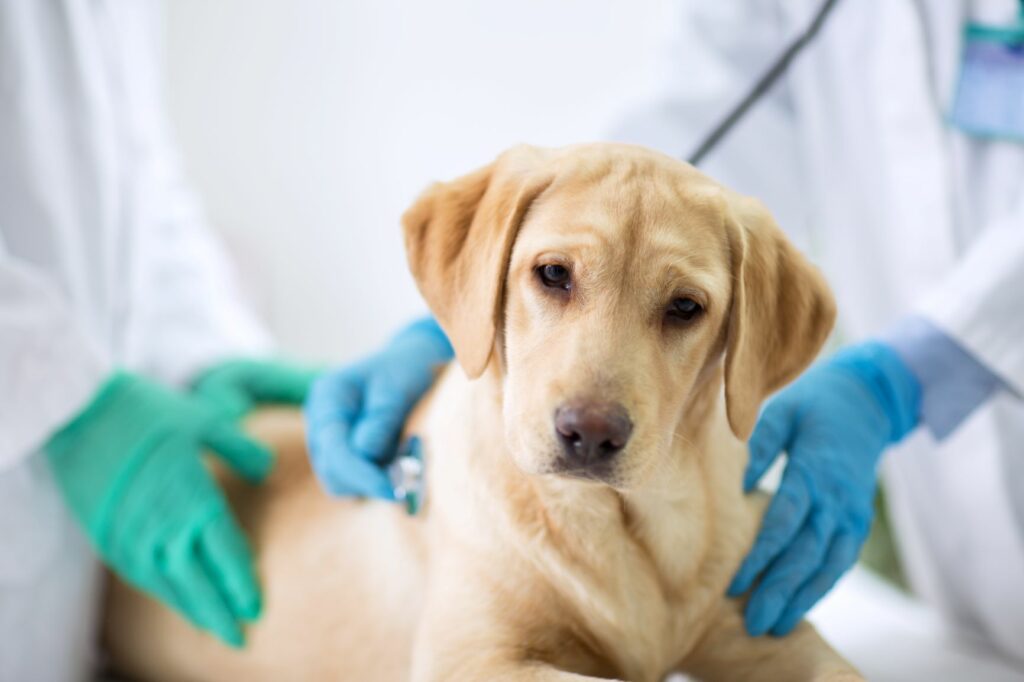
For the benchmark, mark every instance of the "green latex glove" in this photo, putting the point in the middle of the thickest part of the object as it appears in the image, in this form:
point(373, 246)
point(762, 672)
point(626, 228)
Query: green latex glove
point(130, 469)
point(236, 386)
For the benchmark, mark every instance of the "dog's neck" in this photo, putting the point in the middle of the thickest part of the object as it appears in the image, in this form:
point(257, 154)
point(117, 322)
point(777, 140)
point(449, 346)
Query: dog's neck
point(657, 515)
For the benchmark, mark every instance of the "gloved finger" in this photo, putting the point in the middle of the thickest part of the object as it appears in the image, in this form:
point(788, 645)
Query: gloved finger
point(329, 412)
point(842, 554)
point(159, 587)
point(379, 425)
point(271, 382)
point(356, 477)
point(336, 397)
point(771, 436)
point(342, 473)
point(785, 515)
point(230, 402)
point(798, 562)
point(196, 590)
point(251, 460)
point(225, 555)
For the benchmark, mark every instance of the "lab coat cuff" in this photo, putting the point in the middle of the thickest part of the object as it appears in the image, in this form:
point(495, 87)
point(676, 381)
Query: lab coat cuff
point(979, 303)
point(953, 382)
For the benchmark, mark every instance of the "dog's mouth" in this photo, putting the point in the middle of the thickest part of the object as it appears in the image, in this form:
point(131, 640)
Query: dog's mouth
point(603, 473)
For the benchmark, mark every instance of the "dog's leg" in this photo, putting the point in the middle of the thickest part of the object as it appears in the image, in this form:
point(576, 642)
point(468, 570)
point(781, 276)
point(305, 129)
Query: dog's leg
point(445, 654)
point(526, 671)
point(502, 671)
point(728, 653)
point(468, 632)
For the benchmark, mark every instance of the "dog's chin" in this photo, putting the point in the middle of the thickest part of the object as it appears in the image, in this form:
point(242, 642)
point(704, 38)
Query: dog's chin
point(607, 474)
point(545, 460)
point(599, 475)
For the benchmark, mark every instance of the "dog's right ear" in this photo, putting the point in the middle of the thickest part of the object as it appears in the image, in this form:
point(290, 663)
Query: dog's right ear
point(459, 237)
point(782, 312)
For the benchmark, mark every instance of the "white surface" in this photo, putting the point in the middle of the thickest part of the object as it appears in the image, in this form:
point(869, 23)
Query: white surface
point(310, 126)
point(893, 638)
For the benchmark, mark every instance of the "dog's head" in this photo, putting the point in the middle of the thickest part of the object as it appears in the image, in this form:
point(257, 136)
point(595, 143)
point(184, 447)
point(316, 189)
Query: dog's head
point(605, 283)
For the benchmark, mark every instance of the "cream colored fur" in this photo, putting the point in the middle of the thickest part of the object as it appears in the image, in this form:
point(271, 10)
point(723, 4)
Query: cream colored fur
point(516, 571)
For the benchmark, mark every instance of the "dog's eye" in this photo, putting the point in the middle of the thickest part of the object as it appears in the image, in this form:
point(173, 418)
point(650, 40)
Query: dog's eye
point(555, 276)
point(684, 309)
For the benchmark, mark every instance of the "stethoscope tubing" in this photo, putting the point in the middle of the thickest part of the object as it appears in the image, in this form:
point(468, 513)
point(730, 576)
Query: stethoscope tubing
point(763, 84)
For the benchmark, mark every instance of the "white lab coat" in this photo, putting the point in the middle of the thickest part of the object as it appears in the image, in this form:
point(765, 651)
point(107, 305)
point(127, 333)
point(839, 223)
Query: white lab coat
point(104, 261)
point(906, 215)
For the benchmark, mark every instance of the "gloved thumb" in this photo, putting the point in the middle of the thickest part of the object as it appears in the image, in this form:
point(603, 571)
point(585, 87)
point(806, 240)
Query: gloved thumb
point(275, 383)
point(229, 401)
point(771, 435)
point(249, 459)
point(378, 426)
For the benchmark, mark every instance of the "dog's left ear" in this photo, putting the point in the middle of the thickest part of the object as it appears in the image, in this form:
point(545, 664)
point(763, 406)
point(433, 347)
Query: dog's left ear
point(459, 237)
point(782, 312)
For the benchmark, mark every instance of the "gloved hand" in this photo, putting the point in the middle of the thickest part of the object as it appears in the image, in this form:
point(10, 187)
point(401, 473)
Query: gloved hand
point(354, 415)
point(834, 422)
point(236, 386)
point(130, 469)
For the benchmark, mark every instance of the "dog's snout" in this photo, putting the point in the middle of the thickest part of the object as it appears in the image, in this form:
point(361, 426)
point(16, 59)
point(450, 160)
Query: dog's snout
point(592, 432)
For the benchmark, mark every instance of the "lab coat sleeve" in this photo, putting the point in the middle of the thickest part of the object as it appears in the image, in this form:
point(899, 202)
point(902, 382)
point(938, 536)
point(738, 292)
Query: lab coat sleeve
point(49, 363)
point(716, 53)
point(194, 313)
point(980, 303)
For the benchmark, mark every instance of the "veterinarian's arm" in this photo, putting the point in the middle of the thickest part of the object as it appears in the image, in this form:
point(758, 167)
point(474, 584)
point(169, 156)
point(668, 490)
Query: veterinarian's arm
point(195, 326)
point(129, 468)
point(834, 422)
point(50, 363)
point(980, 304)
point(194, 314)
point(354, 415)
point(953, 382)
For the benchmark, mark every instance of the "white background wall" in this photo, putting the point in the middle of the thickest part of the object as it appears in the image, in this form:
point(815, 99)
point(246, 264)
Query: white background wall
point(309, 126)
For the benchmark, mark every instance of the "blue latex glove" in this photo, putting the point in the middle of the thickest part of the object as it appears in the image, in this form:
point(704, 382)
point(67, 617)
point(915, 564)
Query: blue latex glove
point(354, 415)
point(834, 422)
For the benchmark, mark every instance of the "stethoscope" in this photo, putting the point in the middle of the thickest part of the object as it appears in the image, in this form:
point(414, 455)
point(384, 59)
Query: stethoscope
point(763, 84)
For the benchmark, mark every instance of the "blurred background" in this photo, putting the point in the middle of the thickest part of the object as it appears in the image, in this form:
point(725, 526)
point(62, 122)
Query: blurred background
point(308, 127)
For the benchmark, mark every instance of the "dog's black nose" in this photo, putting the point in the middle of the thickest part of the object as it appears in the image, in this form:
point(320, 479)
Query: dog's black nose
point(592, 432)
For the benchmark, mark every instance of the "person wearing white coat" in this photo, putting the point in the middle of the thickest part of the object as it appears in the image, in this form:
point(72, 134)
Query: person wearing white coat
point(119, 317)
point(918, 224)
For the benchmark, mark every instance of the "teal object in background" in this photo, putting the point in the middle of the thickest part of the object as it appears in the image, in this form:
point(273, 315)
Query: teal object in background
point(130, 468)
point(989, 99)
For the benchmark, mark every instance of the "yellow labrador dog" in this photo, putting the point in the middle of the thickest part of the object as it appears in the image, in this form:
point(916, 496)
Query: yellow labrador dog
point(618, 318)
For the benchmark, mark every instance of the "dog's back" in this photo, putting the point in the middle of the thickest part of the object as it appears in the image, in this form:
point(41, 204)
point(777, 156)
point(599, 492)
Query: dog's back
point(342, 585)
